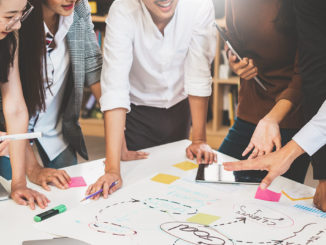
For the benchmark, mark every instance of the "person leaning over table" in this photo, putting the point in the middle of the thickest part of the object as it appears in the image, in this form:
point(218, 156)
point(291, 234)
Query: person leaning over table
point(12, 13)
point(157, 57)
point(59, 55)
point(264, 33)
point(311, 29)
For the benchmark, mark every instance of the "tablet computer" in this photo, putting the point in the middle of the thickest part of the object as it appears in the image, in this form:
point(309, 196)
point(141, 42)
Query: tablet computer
point(56, 241)
point(215, 173)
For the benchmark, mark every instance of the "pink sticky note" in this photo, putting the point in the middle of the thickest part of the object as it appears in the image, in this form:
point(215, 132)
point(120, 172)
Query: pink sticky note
point(267, 195)
point(77, 182)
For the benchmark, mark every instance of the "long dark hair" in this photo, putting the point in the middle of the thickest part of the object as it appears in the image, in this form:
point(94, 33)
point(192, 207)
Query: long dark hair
point(285, 19)
point(32, 57)
point(8, 47)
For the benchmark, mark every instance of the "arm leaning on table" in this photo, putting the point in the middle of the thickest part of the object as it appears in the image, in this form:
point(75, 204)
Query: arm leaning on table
point(309, 139)
point(16, 116)
point(198, 81)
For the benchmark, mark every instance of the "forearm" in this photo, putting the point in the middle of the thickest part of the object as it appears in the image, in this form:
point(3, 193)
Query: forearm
point(31, 162)
point(96, 90)
point(292, 151)
point(198, 107)
point(114, 122)
point(279, 111)
point(16, 123)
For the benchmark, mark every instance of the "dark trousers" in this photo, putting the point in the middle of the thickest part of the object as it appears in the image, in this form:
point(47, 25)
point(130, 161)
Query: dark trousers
point(238, 139)
point(150, 126)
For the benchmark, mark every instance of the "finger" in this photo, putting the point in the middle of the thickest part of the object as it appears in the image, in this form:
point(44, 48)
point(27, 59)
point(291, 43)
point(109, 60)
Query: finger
point(254, 153)
point(45, 185)
point(141, 155)
point(278, 143)
point(115, 188)
point(239, 66)
point(206, 156)
point(215, 157)
point(241, 165)
point(261, 153)
point(89, 190)
point(31, 201)
point(232, 57)
point(39, 200)
point(250, 74)
point(98, 186)
point(248, 149)
point(268, 180)
point(66, 176)
point(62, 180)
point(189, 153)
point(56, 182)
point(18, 199)
point(199, 156)
point(106, 190)
point(211, 157)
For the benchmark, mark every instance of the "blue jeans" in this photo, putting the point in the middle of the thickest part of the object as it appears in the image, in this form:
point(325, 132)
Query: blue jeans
point(237, 141)
point(66, 158)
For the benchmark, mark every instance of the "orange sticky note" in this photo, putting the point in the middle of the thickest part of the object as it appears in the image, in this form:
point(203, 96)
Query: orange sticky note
point(186, 165)
point(165, 178)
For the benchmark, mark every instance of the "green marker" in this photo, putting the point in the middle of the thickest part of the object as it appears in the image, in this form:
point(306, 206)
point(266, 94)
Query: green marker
point(47, 214)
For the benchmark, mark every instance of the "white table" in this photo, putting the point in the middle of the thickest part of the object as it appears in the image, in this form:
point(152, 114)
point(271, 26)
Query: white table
point(16, 222)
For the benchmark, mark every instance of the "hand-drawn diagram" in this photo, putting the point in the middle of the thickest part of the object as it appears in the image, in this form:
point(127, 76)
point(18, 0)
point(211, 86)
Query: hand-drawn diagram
point(263, 215)
point(160, 216)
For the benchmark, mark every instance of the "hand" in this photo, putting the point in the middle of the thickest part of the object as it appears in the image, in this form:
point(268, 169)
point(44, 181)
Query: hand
point(201, 151)
point(244, 68)
point(320, 196)
point(4, 146)
point(276, 163)
point(43, 176)
point(104, 183)
point(25, 196)
point(266, 136)
point(133, 155)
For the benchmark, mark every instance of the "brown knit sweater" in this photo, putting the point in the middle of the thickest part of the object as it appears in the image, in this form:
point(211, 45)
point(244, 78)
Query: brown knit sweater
point(252, 31)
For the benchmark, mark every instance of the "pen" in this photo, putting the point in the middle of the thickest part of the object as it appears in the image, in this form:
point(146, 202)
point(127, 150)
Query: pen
point(224, 37)
point(101, 190)
point(47, 214)
point(21, 136)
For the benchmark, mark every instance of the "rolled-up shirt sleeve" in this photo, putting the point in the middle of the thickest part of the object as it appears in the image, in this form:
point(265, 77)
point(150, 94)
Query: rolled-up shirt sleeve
point(117, 60)
point(313, 135)
point(198, 80)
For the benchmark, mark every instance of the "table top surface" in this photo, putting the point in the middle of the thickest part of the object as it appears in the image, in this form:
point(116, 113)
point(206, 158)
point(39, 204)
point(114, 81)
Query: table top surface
point(16, 222)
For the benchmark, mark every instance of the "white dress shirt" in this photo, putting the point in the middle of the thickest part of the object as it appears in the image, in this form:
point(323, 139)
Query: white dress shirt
point(313, 135)
point(143, 67)
point(49, 122)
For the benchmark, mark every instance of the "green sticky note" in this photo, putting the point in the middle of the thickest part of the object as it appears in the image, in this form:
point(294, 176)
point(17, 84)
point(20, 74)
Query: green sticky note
point(203, 219)
point(165, 178)
point(186, 165)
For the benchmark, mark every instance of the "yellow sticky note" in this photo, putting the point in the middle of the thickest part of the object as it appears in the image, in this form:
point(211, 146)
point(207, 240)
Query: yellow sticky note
point(186, 165)
point(203, 219)
point(165, 178)
point(93, 6)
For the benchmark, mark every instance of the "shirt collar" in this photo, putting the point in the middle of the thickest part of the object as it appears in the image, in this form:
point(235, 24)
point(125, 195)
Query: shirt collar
point(65, 23)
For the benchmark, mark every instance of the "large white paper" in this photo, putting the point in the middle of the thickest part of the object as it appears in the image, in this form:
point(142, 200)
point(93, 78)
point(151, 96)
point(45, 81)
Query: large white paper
point(153, 213)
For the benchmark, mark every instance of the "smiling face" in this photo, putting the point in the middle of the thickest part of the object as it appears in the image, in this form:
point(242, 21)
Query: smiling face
point(59, 7)
point(161, 10)
point(10, 9)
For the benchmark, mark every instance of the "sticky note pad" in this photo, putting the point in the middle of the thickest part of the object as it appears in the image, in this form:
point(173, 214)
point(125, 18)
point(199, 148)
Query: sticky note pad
point(186, 165)
point(77, 182)
point(267, 195)
point(203, 219)
point(165, 178)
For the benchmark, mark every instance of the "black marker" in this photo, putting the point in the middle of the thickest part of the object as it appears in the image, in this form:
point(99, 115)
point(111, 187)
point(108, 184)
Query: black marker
point(47, 214)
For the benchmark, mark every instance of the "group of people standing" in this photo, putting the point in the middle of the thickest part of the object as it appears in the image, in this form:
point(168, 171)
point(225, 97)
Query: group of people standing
point(153, 83)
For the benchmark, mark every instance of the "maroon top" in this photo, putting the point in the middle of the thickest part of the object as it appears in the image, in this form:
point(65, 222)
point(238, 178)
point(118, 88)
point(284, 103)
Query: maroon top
point(252, 31)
